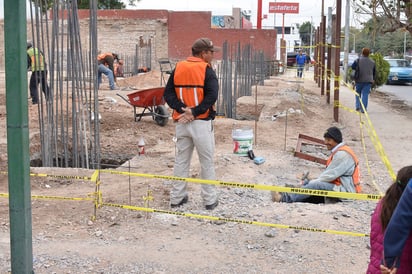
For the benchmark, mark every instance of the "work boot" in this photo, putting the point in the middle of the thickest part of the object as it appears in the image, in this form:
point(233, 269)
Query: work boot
point(182, 202)
point(276, 196)
point(212, 206)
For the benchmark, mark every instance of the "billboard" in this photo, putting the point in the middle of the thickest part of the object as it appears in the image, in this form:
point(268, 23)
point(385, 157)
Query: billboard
point(283, 7)
point(223, 22)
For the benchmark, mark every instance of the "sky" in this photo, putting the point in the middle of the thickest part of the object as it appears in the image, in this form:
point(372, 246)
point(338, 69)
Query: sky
point(309, 10)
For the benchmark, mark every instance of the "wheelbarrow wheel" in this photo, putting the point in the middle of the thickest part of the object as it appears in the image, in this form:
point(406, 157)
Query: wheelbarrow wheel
point(163, 115)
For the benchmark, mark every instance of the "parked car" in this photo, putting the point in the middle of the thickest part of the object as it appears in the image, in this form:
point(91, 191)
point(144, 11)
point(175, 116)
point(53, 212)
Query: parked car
point(351, 58)
point(400, 71)
point(291, 59)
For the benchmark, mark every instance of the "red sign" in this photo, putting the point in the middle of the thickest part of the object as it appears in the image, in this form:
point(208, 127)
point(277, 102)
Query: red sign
point(283, 7)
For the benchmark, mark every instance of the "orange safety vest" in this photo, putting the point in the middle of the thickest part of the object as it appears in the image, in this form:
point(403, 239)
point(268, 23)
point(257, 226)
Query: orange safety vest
point(101, 56)
point(189, 80)
point(355, 174)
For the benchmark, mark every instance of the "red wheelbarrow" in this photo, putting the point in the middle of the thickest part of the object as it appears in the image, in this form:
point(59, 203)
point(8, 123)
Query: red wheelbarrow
point(152, 102)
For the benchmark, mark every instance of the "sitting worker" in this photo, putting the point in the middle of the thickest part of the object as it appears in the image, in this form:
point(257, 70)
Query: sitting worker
point(341, 173)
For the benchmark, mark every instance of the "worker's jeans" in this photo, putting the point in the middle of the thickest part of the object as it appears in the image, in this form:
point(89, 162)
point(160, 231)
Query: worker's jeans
point(197, 134)
point(106, 71)
point(300, 70)
point(291, 198)
point(362, 90)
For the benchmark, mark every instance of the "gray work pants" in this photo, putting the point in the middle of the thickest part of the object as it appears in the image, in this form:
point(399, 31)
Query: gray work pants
point(197, 134)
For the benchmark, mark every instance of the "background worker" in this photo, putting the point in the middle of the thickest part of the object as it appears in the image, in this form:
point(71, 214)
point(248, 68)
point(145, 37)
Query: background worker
point(300, 62)
point(366, 78)
point(35, 61)
point(105, 63)
point(192, 91)
point(341, 173)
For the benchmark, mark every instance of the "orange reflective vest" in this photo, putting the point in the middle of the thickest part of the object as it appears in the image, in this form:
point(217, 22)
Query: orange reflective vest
point(101, 56)
point(189, 80)
point(355, 174)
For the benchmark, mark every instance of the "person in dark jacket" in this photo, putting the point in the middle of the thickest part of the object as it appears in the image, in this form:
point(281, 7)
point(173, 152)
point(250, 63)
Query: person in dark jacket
point(192, 91)
point(380, 219)
point(397, 235)
point(365, 80)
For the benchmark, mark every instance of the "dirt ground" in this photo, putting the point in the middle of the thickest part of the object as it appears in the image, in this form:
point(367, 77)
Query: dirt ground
point(246, 233)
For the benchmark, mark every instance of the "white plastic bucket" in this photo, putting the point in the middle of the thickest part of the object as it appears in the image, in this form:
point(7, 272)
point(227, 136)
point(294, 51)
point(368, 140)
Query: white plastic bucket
point(242, 141)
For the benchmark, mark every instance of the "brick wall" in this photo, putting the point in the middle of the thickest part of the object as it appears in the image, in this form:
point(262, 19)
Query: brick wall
point(185, 27)
point(171, 33)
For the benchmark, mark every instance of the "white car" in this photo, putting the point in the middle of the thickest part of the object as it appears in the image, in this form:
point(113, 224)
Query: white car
point(351, 58)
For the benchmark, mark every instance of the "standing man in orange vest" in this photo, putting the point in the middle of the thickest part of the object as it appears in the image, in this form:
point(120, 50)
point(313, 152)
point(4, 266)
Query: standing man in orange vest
point(341, 173)
point(192, 91)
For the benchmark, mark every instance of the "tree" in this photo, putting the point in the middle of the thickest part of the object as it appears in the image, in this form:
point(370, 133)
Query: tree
point(45, 5)
point(102, 4)
point(390, 43)
point(305, 32)
point(382, 69)
point(388, 15)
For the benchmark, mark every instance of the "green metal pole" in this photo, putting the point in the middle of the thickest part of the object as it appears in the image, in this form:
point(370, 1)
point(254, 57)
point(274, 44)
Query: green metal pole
point(15, 39)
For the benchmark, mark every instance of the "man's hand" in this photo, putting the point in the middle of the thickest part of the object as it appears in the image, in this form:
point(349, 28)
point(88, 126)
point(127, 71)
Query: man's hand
point(186, 116)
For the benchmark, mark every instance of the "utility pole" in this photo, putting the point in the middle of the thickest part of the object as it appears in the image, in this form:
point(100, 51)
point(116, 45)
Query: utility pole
point(404, 43)
point(346, 42)
point(310, 38)
point(259, 15)
point(15, 44)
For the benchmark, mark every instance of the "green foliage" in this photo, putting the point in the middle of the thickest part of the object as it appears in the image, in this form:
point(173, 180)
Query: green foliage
point(45, 5)
point(42, 5)
point(387, 15)
point(382, 69)
point(101, 4)
point(304, 32)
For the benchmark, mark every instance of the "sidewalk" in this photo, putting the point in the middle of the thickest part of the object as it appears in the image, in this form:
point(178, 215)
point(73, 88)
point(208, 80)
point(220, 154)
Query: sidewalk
point(393, 126)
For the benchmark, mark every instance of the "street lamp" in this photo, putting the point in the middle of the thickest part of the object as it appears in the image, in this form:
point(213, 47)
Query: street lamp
point(404, 44)
point(354, 42)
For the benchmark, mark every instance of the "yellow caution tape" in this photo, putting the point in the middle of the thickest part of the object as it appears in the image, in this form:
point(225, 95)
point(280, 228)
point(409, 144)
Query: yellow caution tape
point(53, 197)
point(372, 135)
point(214, 218)
point(87, 178)
point(60, 198)
point(315, 192)
point(61, 176)
point(95, 176)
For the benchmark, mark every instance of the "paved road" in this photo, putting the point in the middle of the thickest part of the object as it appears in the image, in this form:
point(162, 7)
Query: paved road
point(402, 92)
